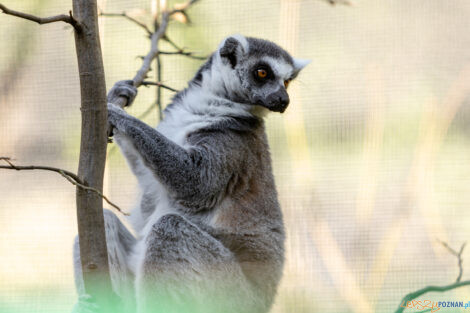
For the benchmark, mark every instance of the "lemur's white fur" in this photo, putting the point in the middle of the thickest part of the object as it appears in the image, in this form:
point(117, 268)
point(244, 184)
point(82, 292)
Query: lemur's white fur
point(300, 63)
point(282, 69)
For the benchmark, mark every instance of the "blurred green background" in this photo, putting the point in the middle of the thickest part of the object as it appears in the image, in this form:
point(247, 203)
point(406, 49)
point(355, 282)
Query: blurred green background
point(371, 159)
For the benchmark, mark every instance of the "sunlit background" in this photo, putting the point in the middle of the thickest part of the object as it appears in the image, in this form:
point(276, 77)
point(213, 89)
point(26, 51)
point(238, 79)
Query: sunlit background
point(372, 158)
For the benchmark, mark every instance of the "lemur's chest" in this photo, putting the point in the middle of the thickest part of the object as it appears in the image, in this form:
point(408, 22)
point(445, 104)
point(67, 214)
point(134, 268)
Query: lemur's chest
point(177, 127)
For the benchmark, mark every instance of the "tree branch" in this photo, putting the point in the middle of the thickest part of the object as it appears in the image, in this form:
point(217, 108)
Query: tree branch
point(44, 20)
point(92, 159)
point(172, 43)
point(128, 17)
point(181, 7)
point(160, 85)
point(160, 33)
point(71, 177)
point(456, 254)
point(184, 53)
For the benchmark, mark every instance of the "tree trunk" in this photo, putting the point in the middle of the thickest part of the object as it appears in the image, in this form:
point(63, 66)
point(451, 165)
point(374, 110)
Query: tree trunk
point(91, 229)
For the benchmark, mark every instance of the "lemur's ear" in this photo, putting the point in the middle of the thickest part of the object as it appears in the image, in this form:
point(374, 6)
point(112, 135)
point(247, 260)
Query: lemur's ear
point(232, 48)
point(299, 64)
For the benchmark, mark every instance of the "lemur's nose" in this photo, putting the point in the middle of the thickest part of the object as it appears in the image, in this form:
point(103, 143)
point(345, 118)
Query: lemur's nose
point(284, 99)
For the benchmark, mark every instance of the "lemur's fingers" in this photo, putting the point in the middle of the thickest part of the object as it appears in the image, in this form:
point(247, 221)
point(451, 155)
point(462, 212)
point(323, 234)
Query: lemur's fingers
point(123, 89)
point(116, 117)
point(110, 132)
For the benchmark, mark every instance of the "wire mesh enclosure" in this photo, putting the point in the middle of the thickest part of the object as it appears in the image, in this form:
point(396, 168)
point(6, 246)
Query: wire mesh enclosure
point(371, 159)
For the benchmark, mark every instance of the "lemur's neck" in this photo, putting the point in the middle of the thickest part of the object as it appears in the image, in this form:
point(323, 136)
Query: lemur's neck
point(199, 101)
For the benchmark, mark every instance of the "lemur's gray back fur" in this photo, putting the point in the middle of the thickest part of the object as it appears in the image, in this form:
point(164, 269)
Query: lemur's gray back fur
point(210, 234)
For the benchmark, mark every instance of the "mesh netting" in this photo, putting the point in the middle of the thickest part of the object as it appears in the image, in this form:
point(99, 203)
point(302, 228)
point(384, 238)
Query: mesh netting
point(372, 158)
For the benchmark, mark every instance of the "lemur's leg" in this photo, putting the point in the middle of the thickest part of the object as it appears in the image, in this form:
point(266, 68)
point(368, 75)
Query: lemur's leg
point(184, 270)
point(119, 243)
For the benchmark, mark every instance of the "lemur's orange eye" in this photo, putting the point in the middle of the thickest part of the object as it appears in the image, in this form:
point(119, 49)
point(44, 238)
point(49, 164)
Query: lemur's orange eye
point(286, 83)
point(261, 73)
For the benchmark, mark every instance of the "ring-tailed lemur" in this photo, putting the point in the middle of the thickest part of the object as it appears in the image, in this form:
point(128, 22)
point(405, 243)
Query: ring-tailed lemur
point(210, 233)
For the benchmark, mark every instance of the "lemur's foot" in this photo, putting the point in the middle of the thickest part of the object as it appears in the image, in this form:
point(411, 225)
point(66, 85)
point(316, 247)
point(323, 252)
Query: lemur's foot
point(123, 89)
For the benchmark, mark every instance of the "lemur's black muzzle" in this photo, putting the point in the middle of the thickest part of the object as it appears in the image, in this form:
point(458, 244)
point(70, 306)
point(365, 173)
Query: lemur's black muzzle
point(276, 102)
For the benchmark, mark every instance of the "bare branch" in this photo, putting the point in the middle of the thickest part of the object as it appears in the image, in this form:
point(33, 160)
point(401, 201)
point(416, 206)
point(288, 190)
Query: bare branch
point(94, 190)
point(142, 73)
point(184, 53)
point(147, 61)
point(180, 50)
point(172, 43)
point(160, 85)
point(181, 7)
point(44, 20)
point(159, 79)
point(128, 17)
point(456, 254)
point(38, 167)
point(71, 177)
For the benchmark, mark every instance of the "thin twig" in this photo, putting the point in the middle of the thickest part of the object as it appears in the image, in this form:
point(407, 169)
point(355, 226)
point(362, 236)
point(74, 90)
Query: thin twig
point(456, 254)
point(43, 20)
point(94, 190)
point(184, 53)
point(148, 83)
point(172, 43)
point(159, 78)
point(181, 7)
point(38, 167)
point(180, 50)
point(128, 17)
point(159, 89)
point(71, 177)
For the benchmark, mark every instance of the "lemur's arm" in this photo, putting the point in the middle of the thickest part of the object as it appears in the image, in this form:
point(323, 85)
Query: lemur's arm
point(197, 176)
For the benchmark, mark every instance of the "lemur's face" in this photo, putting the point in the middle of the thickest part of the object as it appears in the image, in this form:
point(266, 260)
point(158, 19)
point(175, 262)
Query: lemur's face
point(258, 72)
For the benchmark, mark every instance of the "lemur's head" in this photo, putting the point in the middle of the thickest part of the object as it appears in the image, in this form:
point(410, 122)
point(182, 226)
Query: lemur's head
point(251, 71)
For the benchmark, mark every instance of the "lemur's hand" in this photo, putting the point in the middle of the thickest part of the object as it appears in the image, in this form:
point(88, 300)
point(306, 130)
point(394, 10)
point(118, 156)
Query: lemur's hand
point(123, 89)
